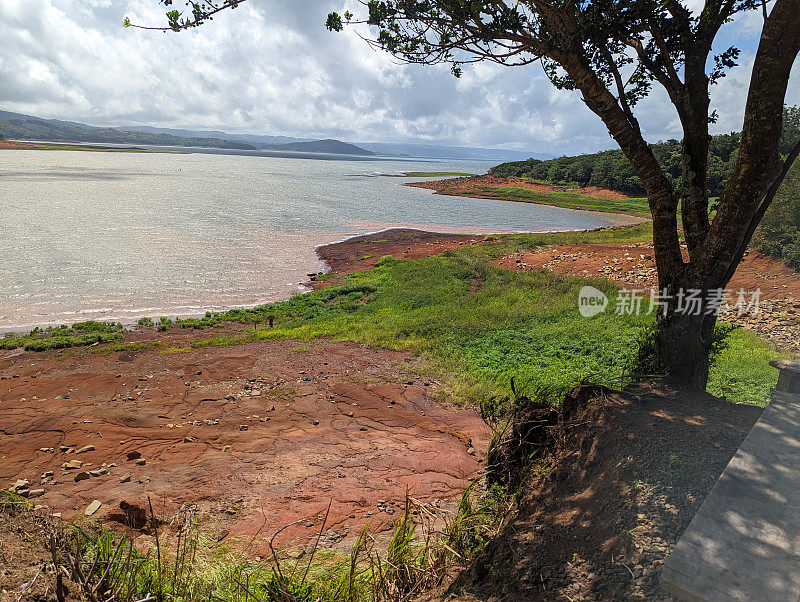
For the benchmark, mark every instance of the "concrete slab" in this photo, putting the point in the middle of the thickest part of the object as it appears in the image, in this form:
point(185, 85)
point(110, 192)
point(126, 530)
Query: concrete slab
point(744, 542)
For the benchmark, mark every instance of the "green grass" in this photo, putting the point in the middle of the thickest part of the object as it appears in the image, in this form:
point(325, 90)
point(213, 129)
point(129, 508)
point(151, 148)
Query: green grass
point(571, 200)
point(478, 325)
point(741, 372)
point(61, 337)
point(188, 563)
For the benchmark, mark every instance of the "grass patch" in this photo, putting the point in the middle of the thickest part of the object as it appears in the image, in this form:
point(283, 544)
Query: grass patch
point(571, 200)
point(131, 347)
point(187, 564)
point(81, 334)
point(219, 341)
point(741, 371)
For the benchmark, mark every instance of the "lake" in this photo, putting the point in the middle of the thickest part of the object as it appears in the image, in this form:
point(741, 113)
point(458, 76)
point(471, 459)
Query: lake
point(118, 236)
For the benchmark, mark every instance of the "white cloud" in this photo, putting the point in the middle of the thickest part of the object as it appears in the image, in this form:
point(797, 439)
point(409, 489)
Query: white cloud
point(271, 67)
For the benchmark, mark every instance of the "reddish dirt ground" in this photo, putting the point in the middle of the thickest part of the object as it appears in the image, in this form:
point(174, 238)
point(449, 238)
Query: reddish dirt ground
point(627, 473)
point(361, 253)
point(258, 435)
point(634, 263)
point(475, 186)
point(8, 145)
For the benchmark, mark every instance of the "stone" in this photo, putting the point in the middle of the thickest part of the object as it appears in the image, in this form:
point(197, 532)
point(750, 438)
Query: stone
point(126, 478)
point(190, 439)
point(98, 472)
point(93, 508)
point(134, 455)
point(243, 427)
point(82, 476)
point(48, 475)
point(85, 449)
point(34, 493)
point(19, 485)
point(73, 465)
point(141, 462)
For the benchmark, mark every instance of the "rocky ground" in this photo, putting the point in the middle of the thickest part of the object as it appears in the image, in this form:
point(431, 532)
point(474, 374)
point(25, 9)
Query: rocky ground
point(778, 315)
point(256, 436)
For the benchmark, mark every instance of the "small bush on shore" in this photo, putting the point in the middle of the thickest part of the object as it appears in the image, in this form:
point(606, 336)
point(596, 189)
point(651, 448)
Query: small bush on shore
point(61, 337)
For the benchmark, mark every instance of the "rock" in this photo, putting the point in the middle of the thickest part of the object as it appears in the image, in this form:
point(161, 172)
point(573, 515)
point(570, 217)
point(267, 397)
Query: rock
point(34, 493)
point(72, 465)
point(315, 423)
point(92, 508)
point(82, 476)
point(126, 478)
point(471, 451)
point(48, 475)
point(99, 472)
point(141, 462)
point(20, 485)
point(85, 448)
point(134, 455)
point(226, 448)
point(243, 427)
point(190, 439)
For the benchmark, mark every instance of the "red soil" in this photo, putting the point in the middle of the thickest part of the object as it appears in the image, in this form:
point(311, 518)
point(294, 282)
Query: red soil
point(634, 262)
point(332, 422)
point(475, 186)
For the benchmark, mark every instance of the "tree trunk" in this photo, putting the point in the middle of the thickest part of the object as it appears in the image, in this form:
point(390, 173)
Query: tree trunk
point(683, 346)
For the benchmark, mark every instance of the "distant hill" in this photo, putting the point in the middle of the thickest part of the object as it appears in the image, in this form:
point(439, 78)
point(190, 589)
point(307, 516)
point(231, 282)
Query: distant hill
point(465, 153)
point(257, 140)
point(26, 127)
point(323, 146)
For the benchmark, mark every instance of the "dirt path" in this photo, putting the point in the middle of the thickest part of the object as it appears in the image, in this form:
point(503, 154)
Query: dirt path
point(633, 266)
point(257, 436)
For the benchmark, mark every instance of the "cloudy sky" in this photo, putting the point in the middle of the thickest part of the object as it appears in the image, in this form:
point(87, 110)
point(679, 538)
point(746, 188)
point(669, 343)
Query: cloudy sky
point(270, 67)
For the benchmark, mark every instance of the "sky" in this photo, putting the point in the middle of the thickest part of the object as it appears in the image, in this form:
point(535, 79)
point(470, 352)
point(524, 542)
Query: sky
point(271, 67)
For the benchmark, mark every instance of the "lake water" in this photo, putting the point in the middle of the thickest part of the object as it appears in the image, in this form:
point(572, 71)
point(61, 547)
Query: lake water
point(117, 236)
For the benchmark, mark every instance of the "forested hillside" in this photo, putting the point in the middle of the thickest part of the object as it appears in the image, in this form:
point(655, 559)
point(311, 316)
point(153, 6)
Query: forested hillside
point(25, 127)
point(610, 169)
point(779, 233)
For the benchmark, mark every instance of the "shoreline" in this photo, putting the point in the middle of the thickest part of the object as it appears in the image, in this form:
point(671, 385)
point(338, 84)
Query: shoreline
point(463, 187)
point(394, 239)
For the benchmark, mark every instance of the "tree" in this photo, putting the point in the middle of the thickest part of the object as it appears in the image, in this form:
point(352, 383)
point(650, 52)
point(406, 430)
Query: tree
point(613, 52)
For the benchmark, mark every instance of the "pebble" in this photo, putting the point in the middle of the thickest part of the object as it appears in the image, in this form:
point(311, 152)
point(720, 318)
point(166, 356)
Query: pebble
point(134, 455)
point(82, 476)
point(141, 462)
point(126, 478)
point(34, 493)
point(72, 465)
point(85, 448)
point(99, 472)
point(92, 508)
